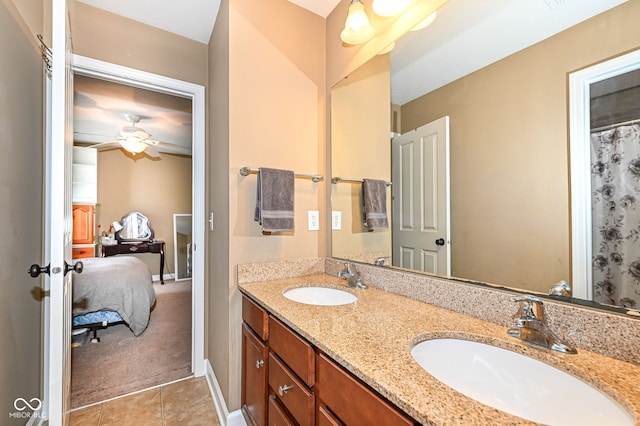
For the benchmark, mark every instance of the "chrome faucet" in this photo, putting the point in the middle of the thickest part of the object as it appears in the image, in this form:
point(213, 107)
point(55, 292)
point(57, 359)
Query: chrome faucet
point(352, 275)
point(380, 261)
point(532, 329)
point(561, 288)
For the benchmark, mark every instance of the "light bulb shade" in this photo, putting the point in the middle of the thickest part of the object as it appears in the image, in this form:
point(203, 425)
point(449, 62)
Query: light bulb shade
point(387, 49)
point(133, 145)
point(425, 22)
point(387, 8)
point(357, 29)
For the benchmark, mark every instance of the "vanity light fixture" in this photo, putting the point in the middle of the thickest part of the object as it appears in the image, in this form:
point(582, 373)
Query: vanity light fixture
point(426, 22)
point(388, 8)
point(357, 29)
point(133, 144)
point(387, 49)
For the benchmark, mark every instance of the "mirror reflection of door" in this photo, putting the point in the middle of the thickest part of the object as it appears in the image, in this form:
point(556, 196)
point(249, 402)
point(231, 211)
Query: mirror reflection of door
point(615, 189)
point(421, 225)
point(183, 243)
point(605, 181)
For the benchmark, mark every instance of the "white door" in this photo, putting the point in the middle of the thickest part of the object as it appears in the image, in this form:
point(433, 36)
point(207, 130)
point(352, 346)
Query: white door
point(58, 226)
point(421, 226)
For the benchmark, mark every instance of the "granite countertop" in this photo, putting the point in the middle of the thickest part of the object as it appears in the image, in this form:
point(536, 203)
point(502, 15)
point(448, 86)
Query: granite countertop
point(373, 336)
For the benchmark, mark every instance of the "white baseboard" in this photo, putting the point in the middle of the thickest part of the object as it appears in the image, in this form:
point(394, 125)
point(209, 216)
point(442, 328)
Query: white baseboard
point(234, 418)
point(166, 277)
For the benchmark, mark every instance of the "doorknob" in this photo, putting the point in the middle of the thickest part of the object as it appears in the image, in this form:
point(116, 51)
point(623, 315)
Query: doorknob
point(76, 267)
point(440, 242)
point(35, 270)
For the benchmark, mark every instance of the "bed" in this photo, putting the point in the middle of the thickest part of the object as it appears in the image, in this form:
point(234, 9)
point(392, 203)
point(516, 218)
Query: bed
point(113, 290)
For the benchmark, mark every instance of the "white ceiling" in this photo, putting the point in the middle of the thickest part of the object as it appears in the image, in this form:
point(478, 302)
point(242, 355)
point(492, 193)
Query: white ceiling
point(466, 36)
point(100, 111)
point(470, 34)
point(193, 19)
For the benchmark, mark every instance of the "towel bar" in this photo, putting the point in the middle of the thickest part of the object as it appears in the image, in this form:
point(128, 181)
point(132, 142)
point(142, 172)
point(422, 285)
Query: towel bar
point(246, 171)
point(342, 179)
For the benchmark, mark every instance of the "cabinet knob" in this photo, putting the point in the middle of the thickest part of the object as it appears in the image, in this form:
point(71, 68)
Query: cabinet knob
point(260, 363)
point(284, 389)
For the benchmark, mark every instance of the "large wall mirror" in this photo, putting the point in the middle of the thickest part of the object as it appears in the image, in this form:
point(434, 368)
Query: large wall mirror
point(509, 204)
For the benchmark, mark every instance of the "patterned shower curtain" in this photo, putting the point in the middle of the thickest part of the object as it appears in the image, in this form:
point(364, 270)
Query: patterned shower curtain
point(615, 183)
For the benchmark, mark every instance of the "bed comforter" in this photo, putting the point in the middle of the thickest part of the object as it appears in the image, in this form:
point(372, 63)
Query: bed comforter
point(122, 284)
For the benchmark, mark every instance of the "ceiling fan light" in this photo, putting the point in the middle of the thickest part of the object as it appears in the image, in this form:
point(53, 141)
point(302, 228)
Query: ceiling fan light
point(133, 145)
point(388, 8)
point(141, 134)
point(357, 29)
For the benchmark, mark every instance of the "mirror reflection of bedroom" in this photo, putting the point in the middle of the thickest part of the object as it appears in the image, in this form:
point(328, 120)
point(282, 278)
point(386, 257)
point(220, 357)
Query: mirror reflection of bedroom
point(132, 198)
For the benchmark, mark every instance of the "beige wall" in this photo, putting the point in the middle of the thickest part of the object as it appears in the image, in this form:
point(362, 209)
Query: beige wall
point(32, 12)
point(157, 188)
point(132, 44)
point(275, 111)
point(360, 140)
point(21, 177)
point(219, 270)
point(509, 153)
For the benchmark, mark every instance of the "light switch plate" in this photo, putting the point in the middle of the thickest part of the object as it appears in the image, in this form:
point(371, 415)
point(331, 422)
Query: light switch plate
point(336, 220)
point(314, 220)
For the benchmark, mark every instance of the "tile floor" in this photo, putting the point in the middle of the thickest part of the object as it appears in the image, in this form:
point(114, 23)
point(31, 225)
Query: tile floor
point(187, 402)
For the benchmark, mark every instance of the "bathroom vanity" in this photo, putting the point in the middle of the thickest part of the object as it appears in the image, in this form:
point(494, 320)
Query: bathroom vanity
point(333, 365)
point(288, 381)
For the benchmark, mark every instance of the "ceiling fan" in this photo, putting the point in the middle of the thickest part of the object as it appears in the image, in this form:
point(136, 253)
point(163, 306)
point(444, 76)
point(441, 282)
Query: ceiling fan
point(134, 139)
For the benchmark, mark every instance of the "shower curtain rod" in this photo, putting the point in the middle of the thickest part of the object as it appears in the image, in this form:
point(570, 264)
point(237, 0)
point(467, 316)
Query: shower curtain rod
point(611, 126)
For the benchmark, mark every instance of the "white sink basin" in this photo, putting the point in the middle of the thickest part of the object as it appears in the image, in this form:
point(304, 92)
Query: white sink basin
point(321, 296)
point(517, 384)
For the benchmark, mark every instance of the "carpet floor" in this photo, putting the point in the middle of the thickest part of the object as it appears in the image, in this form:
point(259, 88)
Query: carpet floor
point(122, 363)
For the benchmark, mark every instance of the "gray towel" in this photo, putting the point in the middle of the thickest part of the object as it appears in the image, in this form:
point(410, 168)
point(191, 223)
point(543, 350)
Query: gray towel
point(274, 200)
point(374, 195)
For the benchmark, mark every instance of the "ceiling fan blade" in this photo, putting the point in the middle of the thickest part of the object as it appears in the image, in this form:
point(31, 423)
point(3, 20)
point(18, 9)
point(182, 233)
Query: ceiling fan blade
point(152, 152)
point(103, 144)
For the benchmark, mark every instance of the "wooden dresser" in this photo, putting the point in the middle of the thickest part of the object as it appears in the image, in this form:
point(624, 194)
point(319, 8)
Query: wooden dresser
point(83, 231)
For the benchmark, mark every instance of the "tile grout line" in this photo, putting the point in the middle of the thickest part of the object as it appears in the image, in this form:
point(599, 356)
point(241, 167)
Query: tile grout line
point(100, 414)
point(162, 407)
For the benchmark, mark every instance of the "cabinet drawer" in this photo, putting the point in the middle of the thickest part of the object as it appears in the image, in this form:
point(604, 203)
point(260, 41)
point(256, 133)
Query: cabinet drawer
point(291, 392)
point(296, 352)
point(255, 317)
point(277, 416)
point(351, 401)
point(326, 418)
point(82, 252)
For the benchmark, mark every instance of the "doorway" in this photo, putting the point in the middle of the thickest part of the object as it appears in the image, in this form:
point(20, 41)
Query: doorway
point(593, 270)
point(421, 212)
point(86, 67)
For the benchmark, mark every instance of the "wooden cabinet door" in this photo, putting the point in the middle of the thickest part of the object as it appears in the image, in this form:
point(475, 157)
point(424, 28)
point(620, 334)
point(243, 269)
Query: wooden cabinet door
point(254, 378)
point(83, 228)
